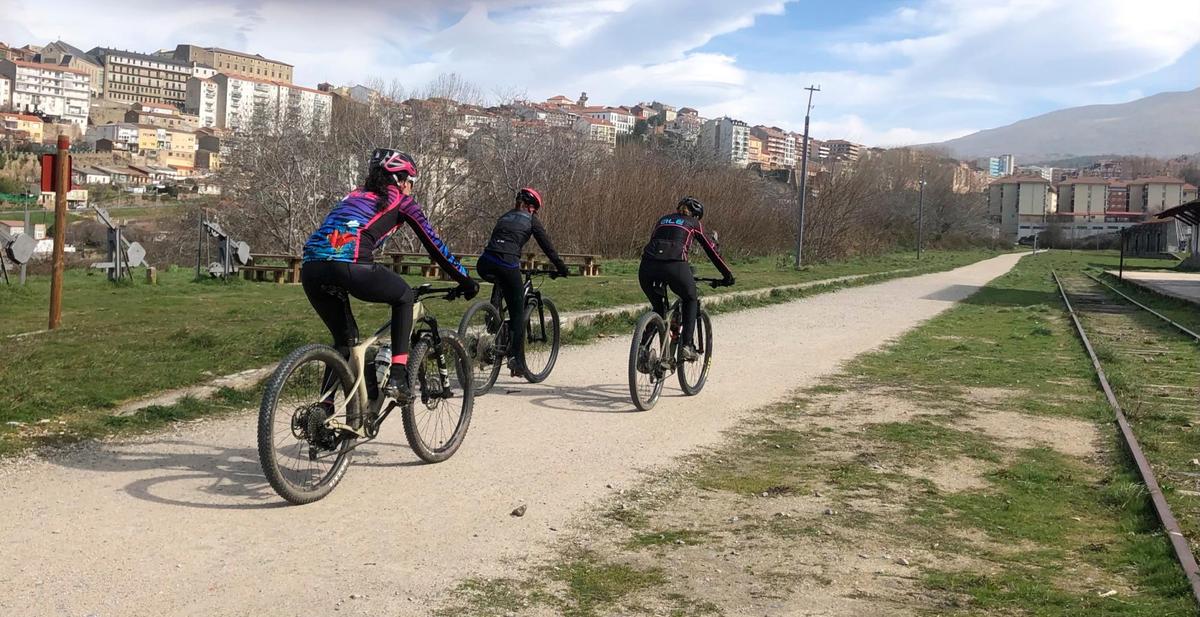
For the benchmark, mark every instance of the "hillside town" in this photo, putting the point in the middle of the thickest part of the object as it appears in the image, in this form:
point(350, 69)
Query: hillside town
point(162, 117)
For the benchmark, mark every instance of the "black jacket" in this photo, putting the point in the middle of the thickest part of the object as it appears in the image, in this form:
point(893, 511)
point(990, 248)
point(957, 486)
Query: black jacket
point(512, 231)
point(672, 239)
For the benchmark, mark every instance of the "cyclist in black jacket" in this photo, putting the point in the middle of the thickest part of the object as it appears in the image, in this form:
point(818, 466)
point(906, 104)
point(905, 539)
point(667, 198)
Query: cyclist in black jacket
point(665, 263)
point(500, 264)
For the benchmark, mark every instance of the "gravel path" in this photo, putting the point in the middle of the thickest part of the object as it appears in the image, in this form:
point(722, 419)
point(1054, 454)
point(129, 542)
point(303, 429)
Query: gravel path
point(182, 523)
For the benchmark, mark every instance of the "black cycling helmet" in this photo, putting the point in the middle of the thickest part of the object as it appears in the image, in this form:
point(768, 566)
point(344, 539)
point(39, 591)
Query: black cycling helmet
point(529, 195)
point(693, 205)
point(393, 162)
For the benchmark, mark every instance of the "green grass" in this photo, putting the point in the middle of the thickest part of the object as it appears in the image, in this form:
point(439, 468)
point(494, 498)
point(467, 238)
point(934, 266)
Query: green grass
point(1046, 534)
point(125, 341)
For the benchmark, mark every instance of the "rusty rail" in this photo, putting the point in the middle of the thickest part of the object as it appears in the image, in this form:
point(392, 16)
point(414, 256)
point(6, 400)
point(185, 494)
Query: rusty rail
point(1157, 314)
point(1179, 544)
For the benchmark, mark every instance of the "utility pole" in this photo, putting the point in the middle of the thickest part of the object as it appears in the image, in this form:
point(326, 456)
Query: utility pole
point(804, 178)
point(62, 184)
point(920, 214)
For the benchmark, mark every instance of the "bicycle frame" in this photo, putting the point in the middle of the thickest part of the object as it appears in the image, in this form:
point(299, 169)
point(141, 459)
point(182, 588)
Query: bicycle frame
point(358, 357)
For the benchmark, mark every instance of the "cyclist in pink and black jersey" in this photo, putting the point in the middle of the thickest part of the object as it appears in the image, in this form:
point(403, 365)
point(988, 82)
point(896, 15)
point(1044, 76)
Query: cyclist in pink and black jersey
point(665, 264)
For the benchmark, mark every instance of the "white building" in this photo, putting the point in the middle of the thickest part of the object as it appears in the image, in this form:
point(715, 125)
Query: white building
point(601, 131)
point(622, 119)
point(123, 135)
point(202, 101)
point(728, 139)
point(244, 101)
point(203, 71)
point(307, 108)
point(52, 90)
point(5, 93)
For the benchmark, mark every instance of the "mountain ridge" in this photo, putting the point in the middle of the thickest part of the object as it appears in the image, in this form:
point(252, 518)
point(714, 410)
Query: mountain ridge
point(1162, 125)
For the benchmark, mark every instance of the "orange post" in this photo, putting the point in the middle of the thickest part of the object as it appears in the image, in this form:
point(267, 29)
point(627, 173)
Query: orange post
point(62, 184)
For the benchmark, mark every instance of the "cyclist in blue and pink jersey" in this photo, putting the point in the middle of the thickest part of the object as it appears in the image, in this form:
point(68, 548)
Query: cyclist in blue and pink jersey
point(338, 261)
point(665, 264)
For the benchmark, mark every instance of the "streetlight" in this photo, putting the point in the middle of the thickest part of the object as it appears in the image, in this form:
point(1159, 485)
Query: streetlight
point(804, 177)
point(920, 213)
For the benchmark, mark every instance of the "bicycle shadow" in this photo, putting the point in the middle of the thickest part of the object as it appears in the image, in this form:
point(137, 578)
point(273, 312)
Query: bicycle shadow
point(596, 398)
point(189, 474)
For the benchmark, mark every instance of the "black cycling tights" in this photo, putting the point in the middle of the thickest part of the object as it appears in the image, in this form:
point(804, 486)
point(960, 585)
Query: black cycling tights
point(507, 283)
point(327, 283)
point(656, 276)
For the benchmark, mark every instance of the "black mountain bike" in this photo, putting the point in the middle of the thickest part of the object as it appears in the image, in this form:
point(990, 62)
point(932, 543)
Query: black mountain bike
point(316, 408)
point(656, 352)
point(485, 334)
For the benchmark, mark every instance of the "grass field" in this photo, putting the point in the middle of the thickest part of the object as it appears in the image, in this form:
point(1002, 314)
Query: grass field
point(121, 342)
point(970, 468)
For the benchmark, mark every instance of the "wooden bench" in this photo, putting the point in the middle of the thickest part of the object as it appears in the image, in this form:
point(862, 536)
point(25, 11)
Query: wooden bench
point(286, 272)
point(408, 263)
point(585, 265)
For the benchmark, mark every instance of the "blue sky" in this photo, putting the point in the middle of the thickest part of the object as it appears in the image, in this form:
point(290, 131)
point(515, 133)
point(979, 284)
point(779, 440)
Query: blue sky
point(892, 72)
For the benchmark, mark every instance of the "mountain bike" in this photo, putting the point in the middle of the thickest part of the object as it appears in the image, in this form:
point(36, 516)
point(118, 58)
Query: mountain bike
point(317, 406)
point(656, 352)
point(485, 334)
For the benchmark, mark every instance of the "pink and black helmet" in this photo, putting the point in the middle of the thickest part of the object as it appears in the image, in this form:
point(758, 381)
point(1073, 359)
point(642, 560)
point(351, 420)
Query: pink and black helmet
point(393, 161)
point(530, 196)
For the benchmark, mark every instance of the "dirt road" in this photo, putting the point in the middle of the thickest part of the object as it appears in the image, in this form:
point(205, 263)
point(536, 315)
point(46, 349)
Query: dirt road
point(182, 523)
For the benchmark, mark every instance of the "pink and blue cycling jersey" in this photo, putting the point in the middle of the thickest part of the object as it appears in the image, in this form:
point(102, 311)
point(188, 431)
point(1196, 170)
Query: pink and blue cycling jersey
point(355, 228)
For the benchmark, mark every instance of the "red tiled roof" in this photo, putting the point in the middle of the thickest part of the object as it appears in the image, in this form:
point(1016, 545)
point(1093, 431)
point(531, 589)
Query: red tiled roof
point(24, 117)
point(50, 67)
point(1022, 180)
point(1085, 180)
point(1157, 180)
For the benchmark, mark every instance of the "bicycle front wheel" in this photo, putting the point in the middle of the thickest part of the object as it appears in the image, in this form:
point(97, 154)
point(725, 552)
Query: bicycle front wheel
point(542, 340)
point(692, 375)
point(436, 422)
point(647, 358)
point(302, 457)
point(479, 332)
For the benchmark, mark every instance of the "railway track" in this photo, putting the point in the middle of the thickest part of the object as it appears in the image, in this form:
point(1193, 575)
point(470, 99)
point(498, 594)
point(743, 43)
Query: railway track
point(1148, 367)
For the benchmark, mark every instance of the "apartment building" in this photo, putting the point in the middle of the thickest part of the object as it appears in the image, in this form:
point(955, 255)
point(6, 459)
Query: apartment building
point(620, 117)
point(1118, 196)
point(52, 90)
point(16, 53)
point(202, 101)
point(132, 77)
point(5, 94)
point(778, 144)
point(756, 151)
point(997, 166)
point(1155, 194)
point(842, 150)
point(308, 108)
point(1190, 193)
point(122, 136)
point(30, 126)
point(1085, 198)
point(246, 102)
point(165, 116)
point(600, 131)
point(727, 139)
point(1019, 205)
point(62, 53)
point(236, 63)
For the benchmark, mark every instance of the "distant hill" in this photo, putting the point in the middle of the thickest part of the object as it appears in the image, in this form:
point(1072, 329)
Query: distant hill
point(1163, 125)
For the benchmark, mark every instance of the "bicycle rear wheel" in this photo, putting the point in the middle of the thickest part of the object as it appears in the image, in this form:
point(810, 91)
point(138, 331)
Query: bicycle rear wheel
point(436, 422)
point(541, 340)
point(646, 355)
point(301, 456)
point(479, 332)
point(692, 375)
